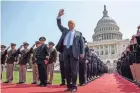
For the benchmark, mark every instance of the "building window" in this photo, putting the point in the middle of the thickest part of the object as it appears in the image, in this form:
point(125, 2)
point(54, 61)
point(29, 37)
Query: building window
point(106, 50)
point(112, 49)
point(102, 52)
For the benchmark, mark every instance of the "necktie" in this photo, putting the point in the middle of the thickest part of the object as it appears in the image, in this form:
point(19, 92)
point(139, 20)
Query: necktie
point(69, 39)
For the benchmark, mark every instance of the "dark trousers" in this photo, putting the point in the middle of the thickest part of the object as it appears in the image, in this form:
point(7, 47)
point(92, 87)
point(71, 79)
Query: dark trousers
point(71, 67)
point(88, 71)
point(94, 73)
point(82, 71)
point(98, 70)
point(127, 72)
point(42, 74)
point(92, 70)
point(62, 72)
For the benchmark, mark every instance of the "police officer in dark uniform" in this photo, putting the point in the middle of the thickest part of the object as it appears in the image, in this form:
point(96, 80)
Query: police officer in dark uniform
point(98, 67)
point(89, 71)
point(94, 61)
point(83, 65)
point(42, 55)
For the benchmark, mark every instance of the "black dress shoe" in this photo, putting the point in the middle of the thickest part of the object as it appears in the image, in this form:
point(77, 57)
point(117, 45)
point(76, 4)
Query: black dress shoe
point(6, 82)
point(19, 82)
point(34, 83)
point(67, 90)
point(62, 84)
point(82, 84)
point(74, 90)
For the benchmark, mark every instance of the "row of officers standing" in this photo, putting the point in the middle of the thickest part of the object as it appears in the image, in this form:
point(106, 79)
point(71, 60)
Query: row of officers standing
point(43, 60)
point(129, 63)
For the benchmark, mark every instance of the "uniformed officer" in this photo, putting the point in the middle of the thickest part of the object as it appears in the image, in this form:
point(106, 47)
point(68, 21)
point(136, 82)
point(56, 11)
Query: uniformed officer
point(34, 64)
point(98, 67)
point(24, 59)
point(89, 71)
point(83, 65)
point(94, 64)
point(3, 56)
point(51, 62)
point(10, 63)
point(41, 55)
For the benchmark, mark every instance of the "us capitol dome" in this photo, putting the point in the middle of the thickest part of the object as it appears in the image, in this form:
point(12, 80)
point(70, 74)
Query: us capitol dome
point(107, 40)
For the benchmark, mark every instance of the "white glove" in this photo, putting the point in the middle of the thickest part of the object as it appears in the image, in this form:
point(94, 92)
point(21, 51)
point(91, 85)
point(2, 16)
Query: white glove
point(86, 61)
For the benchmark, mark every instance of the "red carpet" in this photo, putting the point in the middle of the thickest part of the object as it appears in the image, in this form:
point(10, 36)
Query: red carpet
point(109, 83)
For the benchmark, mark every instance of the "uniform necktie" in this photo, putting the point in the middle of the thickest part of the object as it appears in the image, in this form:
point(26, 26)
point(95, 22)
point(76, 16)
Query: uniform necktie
point(69, 39)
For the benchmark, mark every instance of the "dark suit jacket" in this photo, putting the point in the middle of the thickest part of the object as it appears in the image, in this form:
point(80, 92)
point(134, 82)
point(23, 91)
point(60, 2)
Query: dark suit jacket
point(61, 58)
point(78, 43)
point(53, 56)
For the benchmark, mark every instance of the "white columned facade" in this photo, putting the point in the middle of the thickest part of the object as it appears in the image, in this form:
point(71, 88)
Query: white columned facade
point(104, 49)
point(115, 49)
point(110, 49)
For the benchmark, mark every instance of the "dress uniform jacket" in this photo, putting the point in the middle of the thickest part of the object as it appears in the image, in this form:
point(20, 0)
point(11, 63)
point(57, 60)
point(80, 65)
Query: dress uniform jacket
point(11, 59)
point(25, 56)
point(53, 56)
point(34, 55)
point(41, 54)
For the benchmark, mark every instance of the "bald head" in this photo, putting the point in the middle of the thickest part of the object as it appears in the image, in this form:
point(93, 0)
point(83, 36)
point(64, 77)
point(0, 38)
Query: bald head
point(71, 24)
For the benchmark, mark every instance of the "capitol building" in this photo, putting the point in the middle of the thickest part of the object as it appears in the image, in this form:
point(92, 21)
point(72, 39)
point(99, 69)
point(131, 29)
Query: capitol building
point(107, 40)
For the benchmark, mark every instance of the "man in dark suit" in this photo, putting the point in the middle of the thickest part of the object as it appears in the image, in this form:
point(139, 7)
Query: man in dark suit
point(71, 42)
point(42, 54)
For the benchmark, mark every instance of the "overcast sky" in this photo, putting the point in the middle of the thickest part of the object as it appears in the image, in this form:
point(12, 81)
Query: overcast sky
point(27, 21)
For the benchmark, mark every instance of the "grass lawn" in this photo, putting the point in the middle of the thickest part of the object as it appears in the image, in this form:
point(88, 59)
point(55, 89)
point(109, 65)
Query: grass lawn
point(29, 78)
